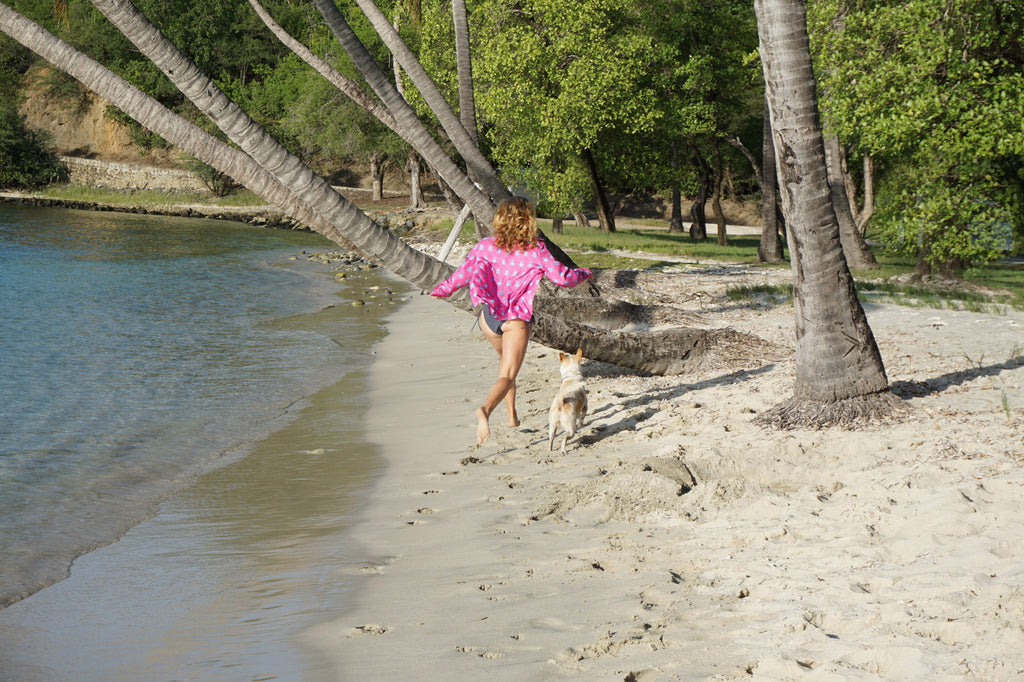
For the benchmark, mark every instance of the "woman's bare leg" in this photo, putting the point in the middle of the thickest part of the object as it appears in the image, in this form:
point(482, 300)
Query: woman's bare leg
point(510, 397)
point(514, 339)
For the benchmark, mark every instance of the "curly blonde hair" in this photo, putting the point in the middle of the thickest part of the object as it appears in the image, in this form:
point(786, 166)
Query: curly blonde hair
point(515, 225)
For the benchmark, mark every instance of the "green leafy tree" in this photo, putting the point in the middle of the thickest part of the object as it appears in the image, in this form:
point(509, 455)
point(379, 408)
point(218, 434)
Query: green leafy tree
point(932, 91)
point(707, 88)
point(333, 131)
point(556, 82)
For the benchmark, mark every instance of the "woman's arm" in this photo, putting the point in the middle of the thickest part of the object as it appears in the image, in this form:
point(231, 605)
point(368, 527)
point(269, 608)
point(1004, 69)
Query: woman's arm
point(558, 273)
point(459, 278)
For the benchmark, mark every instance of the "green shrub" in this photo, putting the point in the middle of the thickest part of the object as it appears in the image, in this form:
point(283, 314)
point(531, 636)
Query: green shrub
point(27, 159)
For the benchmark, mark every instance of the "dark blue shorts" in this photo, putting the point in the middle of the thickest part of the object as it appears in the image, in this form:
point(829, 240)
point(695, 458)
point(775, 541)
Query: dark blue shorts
point(493, 323)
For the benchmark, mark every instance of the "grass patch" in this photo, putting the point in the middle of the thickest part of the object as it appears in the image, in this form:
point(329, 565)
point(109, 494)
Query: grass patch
point(241, 197)
point(888, 292)
point(609, 261)
point(939, 298)
point(771, 294)
point(1001, 276)
point(741, 249)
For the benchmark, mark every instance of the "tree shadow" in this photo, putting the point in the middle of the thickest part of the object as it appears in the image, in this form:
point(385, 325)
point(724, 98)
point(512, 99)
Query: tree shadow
point(915, 389)
point(744, 241)
point(627, 409)
point(625, 279)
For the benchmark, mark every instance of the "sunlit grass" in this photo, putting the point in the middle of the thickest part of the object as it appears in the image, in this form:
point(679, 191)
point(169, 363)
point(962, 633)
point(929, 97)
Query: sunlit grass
point(766, 293)
point(146, 197)
point(741, 249)
point(944, 298)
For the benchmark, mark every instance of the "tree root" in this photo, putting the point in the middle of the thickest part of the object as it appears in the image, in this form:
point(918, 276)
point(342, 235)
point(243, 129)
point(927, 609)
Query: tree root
point(873, 409)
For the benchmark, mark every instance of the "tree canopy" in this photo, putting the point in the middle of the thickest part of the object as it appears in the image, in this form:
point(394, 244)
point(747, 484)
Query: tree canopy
point(932, 91)
point(556, 80)
point(927, 89)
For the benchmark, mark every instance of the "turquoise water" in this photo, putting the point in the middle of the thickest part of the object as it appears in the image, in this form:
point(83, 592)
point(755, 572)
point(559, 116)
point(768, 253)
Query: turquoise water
point(137, 352)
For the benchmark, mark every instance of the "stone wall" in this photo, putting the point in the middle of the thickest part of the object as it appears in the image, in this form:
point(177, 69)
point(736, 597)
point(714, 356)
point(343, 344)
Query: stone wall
point(130, 176)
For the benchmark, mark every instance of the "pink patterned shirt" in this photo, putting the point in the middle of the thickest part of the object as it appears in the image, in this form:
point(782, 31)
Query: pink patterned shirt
point(505, 281)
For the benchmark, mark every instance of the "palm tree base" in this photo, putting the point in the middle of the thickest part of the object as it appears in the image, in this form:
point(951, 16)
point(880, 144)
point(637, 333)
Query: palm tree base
point(882, 407)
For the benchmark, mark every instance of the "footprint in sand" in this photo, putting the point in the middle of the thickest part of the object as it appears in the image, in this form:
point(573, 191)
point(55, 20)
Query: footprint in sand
point(378, 567)
point(481, 654)
point(371, 629)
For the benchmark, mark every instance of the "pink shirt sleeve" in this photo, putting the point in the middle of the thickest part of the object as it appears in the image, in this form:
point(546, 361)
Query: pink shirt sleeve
point(560, 274)
point(461, 277)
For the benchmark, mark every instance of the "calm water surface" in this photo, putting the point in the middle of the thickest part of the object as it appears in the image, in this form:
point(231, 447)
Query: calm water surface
point(137, 352)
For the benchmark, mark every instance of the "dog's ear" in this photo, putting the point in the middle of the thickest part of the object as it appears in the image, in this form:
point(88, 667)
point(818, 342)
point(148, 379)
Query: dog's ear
point(579, 354)
point(562, 356)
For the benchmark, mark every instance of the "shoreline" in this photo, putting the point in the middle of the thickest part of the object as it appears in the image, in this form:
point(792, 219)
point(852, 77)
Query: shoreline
point(675, 540)
point(222, 578)
point(251, 215)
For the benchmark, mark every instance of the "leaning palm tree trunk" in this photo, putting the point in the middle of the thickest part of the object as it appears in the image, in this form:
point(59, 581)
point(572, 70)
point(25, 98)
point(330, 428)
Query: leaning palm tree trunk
point(307, 186)
point(427, 146)
point(479, 167)
point(332, 75)
point(482, 204)
point(839, 372)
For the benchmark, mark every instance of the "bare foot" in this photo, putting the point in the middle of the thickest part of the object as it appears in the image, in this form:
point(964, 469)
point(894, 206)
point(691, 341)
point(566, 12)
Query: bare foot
point(513, 420)
point(483, 429)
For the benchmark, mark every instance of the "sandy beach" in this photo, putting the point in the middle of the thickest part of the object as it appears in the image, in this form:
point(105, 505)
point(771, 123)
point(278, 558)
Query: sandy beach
point(675, 539)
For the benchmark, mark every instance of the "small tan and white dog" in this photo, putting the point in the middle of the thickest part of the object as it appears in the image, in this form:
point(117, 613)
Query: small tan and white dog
point(570, 405)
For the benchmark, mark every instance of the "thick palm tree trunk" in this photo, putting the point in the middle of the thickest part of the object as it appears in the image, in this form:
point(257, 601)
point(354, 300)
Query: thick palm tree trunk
point(839, 372)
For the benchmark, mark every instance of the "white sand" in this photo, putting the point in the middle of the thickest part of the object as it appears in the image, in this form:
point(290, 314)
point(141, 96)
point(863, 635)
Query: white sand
point(893, 552)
